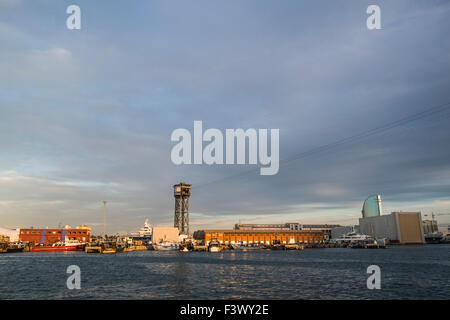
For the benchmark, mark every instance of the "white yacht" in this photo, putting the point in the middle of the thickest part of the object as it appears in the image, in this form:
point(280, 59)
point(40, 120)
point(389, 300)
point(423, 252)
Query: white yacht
point(146, 231)
point(353, 236)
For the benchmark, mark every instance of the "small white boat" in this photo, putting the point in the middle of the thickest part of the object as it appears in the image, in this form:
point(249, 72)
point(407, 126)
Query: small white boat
point(353, 236)
point(214, 246)
point(214, 249)
point(167, 246)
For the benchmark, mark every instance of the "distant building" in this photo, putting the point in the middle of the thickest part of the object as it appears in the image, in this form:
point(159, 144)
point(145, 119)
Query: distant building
point(49, 236)
point(372, 207)
point(398, 227)
point(9, 235)
point(288, 226)
point(165, 234)
point(259, 236)
point(267, 227)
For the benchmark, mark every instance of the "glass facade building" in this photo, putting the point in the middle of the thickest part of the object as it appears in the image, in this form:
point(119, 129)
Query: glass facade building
point(372, 206)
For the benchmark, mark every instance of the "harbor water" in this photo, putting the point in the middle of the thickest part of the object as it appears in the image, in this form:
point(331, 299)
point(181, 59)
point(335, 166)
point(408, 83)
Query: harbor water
point(407, 272)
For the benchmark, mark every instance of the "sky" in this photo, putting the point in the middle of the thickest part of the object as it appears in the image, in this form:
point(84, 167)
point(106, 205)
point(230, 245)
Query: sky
point(86, 115)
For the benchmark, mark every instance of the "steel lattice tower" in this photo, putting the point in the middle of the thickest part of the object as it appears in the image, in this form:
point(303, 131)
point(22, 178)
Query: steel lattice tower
point(182, 194)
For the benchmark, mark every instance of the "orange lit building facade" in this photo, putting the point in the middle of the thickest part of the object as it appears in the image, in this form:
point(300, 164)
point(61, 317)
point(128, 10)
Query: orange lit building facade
point(259, 236)
point(48, 236)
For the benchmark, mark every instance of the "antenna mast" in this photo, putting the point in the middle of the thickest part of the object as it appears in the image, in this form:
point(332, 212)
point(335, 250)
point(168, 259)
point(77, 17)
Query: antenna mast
point(104, 218)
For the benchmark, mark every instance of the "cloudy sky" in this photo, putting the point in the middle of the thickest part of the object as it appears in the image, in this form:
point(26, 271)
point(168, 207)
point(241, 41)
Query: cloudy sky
point(86, 115)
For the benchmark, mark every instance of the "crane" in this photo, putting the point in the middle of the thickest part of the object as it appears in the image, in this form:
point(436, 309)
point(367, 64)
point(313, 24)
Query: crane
point(437, 214)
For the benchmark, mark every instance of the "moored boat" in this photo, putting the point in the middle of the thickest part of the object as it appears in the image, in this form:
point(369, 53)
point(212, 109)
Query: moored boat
point(215, 249)
point(357, 245)
point(276, 245)
point(53, 248)
point(75, 243)
point(292, 246)
point(109, 250)
point(214, 246)
point(434, 238)
point(93, 248)
point(200, 247)
point(69, 245)
point(15, 247)
point(167, 246)
point(109, 247)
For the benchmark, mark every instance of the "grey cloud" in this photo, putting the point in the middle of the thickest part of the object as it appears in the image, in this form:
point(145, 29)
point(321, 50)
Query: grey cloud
point(97, 107)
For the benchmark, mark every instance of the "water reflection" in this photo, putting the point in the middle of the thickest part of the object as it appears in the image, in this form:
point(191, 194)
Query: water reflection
point(407, 272)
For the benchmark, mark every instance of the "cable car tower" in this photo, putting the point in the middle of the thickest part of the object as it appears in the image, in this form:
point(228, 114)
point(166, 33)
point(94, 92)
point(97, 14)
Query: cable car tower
point(182, 194)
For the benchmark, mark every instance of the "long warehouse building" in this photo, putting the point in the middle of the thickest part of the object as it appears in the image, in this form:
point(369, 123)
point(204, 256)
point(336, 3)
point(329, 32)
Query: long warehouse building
point(259, 236)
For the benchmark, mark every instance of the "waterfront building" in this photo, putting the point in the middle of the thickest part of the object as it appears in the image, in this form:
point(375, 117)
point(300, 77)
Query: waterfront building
point(372, 207)
point(49, 236)
point(398, 227)
point(266, 237)
point(288, 226)
point(325, 228)
point(267, 227)
point(166, 234)
point(9, 234)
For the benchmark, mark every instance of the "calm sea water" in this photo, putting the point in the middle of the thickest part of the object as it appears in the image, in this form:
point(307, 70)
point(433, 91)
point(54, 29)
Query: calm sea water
point(407, 272)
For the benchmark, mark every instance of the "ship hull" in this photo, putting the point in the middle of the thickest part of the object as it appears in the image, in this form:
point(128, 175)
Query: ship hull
point(109, 251)
point(163, 248)
point(433, 240)
point(54, 249)
point(166, 246)
point(96, 249)
point(14, 250)
point(214, 249)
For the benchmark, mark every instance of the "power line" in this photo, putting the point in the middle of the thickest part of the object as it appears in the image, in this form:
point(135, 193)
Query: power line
point(356, 137)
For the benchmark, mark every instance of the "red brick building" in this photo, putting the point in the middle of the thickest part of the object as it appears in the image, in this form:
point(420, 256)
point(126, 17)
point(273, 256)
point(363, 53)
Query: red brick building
point(48, 236)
